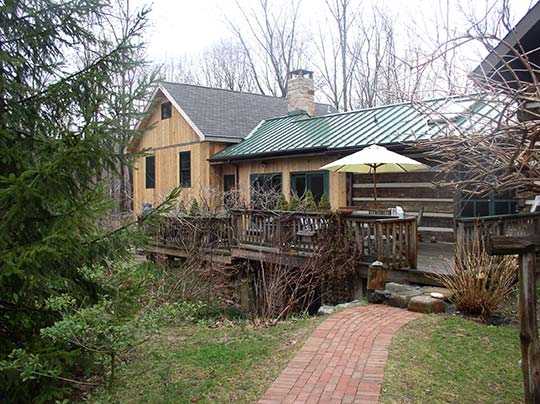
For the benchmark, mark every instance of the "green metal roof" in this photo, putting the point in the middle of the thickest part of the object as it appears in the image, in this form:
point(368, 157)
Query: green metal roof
point(390, 124)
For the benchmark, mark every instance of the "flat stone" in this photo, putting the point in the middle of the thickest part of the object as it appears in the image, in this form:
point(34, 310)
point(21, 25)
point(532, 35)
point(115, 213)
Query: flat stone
point(399, 287)
point(377, 296)
point(325, 310)
point(437, 295)
point(402, 299)
point(447, 293)
point(451, 308)
point(354, 303)
point(426, 304)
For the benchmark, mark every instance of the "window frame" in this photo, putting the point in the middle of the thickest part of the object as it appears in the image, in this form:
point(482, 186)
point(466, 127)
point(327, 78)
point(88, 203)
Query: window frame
point(181, 171)
point(326, 181)
point(166, 110)
point(152, 183)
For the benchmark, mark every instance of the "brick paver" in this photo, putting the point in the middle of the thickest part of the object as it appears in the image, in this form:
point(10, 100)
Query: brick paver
point(343, 360)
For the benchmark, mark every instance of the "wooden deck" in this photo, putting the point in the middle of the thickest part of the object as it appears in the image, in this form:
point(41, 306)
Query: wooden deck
point(435, 257)
point(292, 238)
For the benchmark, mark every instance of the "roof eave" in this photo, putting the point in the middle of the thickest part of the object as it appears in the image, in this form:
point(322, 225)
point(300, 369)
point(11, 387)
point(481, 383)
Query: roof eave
point(512, 38)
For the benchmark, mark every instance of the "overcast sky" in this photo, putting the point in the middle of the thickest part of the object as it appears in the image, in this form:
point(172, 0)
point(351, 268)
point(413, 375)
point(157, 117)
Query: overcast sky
point(180, 27)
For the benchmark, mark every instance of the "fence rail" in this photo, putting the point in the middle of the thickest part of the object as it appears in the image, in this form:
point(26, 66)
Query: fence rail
point(521, 224)
point(390, 240)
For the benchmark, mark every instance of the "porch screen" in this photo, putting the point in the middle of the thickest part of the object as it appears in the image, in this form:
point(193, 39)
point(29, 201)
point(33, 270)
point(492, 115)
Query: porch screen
point(314, 181)
point(265, 189)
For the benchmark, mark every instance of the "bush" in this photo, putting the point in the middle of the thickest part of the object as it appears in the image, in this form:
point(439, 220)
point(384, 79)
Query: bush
point(194, 209)
point(324, 203)
point(480, 283)
point(282, 203)
point(294, 203)
point(308, 203)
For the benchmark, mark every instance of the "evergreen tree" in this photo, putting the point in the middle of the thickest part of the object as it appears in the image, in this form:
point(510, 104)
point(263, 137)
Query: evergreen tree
point(282, 203)
point(324, 203)
point(58, 127)
point(294, 203)
point(308, 203)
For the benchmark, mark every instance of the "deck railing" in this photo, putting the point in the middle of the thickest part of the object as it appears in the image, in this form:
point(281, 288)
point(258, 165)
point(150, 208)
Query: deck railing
point(390, 240)
point(387, 239)
point(479, 228)
point(195, 232)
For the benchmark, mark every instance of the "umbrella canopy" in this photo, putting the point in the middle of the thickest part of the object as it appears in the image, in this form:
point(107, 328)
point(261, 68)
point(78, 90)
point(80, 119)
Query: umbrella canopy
point(374, 159)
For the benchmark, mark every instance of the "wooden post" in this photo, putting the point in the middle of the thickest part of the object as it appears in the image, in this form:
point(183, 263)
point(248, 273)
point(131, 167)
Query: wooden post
point(377, 276)
point(530, 345)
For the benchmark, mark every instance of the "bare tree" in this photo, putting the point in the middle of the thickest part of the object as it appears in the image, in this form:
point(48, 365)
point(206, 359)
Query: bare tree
point(181, 70)
point(338, 58)
point(272, 43)
point(226, 65)
point(501, 151)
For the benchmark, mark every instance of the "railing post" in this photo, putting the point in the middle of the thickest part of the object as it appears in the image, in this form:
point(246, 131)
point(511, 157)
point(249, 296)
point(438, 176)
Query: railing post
point(413, 245)
point(379, 240)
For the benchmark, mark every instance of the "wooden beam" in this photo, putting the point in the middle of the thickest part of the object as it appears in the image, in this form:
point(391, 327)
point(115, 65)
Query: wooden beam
point(216, 256)
point(509, 245)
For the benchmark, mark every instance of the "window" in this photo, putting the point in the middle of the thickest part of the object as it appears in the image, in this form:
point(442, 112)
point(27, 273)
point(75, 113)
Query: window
point(150, 172)
point(166, 110)
point(314, 181)
point(229, 184)
point(185, 169)
point(487, 205)
point(265, 190)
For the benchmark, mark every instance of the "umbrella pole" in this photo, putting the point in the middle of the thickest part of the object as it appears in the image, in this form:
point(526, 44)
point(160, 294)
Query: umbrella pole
point(375, 186)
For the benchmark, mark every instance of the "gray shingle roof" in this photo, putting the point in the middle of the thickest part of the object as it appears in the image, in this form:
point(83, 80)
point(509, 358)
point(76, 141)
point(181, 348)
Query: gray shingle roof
point(225, 113)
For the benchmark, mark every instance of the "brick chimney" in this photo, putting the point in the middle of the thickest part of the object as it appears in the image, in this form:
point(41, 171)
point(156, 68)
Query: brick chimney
point(300, 91)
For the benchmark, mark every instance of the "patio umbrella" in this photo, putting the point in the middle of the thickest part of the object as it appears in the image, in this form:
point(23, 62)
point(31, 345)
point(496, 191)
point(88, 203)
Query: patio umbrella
point(374, 159)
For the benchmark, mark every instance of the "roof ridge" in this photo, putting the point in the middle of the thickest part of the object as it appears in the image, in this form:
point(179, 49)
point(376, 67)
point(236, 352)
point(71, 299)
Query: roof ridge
point(231, 91)
point(396, 104)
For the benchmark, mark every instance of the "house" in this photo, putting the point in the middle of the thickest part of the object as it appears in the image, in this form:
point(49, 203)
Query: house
point(210, 139)
point(185, 126)
point(286, 153)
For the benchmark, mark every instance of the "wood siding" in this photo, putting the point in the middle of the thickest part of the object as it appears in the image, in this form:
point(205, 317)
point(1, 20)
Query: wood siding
point(286, 166)
point(165, 139)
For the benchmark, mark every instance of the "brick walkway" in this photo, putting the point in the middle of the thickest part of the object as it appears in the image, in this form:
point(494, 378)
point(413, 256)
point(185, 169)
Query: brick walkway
point(343, 360)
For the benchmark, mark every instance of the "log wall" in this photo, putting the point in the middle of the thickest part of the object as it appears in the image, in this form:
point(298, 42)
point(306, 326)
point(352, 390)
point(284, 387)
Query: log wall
point(411, 191)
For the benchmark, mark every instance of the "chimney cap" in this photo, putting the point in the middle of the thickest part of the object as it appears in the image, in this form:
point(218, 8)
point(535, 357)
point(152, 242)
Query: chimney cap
point(301, 73)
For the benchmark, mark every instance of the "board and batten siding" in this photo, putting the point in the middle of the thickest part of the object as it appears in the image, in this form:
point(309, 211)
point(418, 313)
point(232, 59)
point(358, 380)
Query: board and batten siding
point(286, 166)
point(165, 140)
point(411, 191)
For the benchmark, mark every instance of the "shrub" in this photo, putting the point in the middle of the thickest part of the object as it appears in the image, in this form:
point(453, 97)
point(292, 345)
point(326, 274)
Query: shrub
point(308, 203)
point(194, 209)
point(282, 203)
point(324, 203)
point(181, 209)
point(479, 282)
point(294, 204)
